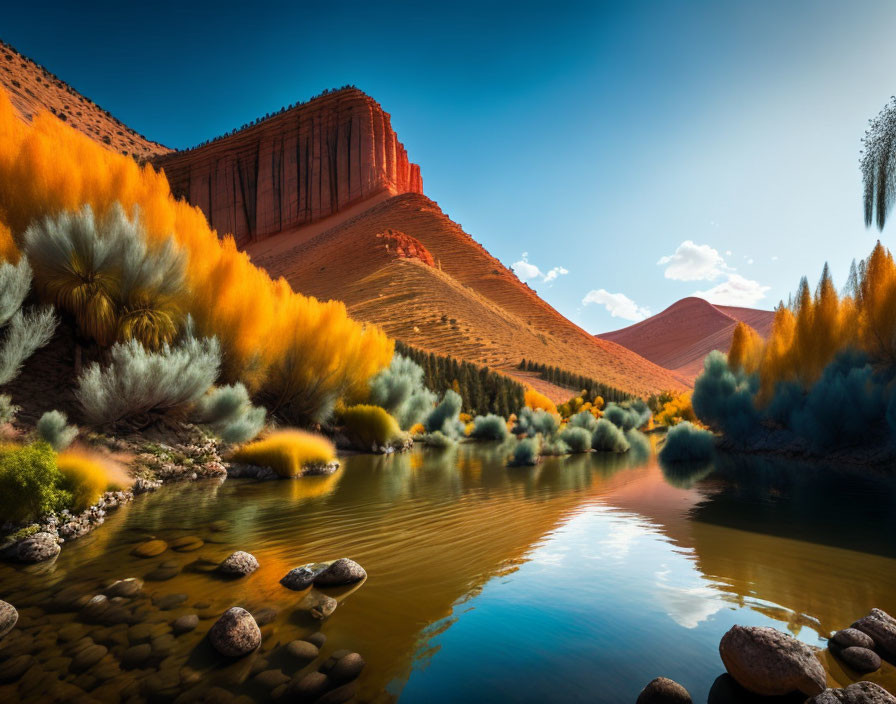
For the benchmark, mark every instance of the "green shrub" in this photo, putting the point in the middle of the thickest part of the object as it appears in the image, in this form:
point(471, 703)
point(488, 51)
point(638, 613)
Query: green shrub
point(576, 439)
point(525, 452)
point(8, 409)
point(15, 282)
point(400, 391)
point(228, 411)
point(53, 428)
point(30, 482)
point(555, 446)
point(287, 452)
point(438, 439)
point(370, 424)
point(25, 333)
point(687, 443)
point(490, 427)
point(138, 381)
point(531, 423)
point(608, 437)
point(444, 416)
point(583, 419)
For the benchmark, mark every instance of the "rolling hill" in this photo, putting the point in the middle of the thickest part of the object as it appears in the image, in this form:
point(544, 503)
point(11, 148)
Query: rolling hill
point(323, 193)
point(682, 335)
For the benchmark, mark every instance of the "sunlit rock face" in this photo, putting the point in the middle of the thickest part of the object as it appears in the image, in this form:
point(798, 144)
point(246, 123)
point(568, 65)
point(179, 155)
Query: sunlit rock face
point(294, 168)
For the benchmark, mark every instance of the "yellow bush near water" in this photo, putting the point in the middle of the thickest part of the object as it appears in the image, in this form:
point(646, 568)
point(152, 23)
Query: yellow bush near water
point(83, 477)
point(273, 339)
point(370, 424)
point(286, 452)
point(535, 400)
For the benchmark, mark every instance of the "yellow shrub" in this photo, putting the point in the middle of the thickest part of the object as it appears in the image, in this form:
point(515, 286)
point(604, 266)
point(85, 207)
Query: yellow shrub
point(9, 252)
point(677, 410)
point(83, 477)
point(370, 424)
point(535, 400)
point(465, 418)
point(468, 428)
point(286, 452)
point(417, 429)
point(302, 353)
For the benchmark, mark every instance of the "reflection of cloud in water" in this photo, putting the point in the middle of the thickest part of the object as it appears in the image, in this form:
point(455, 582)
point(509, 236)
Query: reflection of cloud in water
point(687, 605)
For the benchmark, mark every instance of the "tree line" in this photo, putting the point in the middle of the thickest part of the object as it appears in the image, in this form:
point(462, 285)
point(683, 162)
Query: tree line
point(576, 382)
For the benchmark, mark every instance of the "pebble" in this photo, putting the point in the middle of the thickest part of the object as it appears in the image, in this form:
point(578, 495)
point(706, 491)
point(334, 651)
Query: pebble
point(850, 637)
point(347, 668)
point(14, 668)
point(307, 687)
point(188, 543)
point(136, 655)
point(340, 695)
point(218, 526)
point(271, 679)
point(859, 659)
point(127, 588)
point(8, 618)
point(302, 650)
point(150, 548)
point(170, 601)
point(164, 572)
point(238, 564)
point(341, 572)
point(317, 638)
point(88, 657)
point(300, 578)
point(185, 624)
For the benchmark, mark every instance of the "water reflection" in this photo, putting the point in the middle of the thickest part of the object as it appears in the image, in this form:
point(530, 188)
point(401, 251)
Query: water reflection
point(584, 576)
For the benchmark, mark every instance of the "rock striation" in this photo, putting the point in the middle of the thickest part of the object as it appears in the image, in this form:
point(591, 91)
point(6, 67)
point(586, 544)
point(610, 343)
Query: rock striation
point(294, 168)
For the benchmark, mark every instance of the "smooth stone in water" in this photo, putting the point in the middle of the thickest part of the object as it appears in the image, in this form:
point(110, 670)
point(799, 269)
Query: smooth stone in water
point(38, 547)
point(12, 669)
point(347, 668)
point(882, 628)
point(188, 543)
point(265, 616)
point(317, 638)
point(150, 548)
point(163, 573)
point(170, 601)
point(335, 656)
point(340, 695)
point(850, 637)
point(271, 679)
point(343, 571)
point(185, 624)
point(302, 650)
point(320, 606)
point(302, 577)
point(859, 659)
point(239, 564)
point(8, 618)
point(662, 690)
point(136, 655)
point(88, 657)
point(858, 693)
point(235, 634)
point(769, 662)
point(127, 588)
point(308, 687)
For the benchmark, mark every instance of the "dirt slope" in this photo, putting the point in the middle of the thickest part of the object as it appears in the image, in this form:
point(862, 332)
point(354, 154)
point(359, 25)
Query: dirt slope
point(683, 334)
point(32, 88)
point(467, 304)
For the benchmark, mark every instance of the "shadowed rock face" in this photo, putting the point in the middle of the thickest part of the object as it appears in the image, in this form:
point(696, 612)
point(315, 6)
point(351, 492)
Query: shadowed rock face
point(295, 168)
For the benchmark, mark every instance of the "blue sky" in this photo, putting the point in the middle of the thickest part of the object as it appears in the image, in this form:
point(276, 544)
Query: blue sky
point(640, 151)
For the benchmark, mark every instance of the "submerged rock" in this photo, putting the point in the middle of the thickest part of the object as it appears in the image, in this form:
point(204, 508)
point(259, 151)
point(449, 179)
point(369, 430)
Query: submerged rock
point(662, 690)
point(8, 618)
point(188, 543)
point(769, 662)
point(235, 634)
point(303, 650)
point(185, 624)
point(38, 547)
point(127, 588)
point(150, 548)
point(341, 572)
point(858, 693)
point(850, 637)
point(302, 577)
point(320, 606)
point(346, 668)
point(239, 564)
point(307, 687)
point(880, 626)
point(862, 660)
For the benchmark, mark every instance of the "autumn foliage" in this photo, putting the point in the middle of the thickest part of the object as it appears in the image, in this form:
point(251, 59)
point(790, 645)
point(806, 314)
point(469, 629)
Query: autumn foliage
point(287, 452)
point(299, 353)
point(535, 400)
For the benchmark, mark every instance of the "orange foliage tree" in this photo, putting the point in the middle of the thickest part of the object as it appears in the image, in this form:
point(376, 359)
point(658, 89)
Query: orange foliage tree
point(276, 341)
point(535, 400)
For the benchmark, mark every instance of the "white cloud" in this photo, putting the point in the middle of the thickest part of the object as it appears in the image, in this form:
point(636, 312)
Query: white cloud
point(554, 273)
point(526, 271)
point(775, 258)
point(736, 291)
point(727, 252)
point(749, 261)
point(694, 262)
point(617, 304)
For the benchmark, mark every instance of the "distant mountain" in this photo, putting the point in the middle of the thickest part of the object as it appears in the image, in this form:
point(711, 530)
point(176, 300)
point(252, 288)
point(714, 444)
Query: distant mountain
point(324, 194)
point(682, 335)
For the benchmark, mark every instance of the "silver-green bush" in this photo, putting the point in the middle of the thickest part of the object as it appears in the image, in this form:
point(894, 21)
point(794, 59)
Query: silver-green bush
point(400, 391)
point(138, 381)
point(15, 282)
point(444, 416)
point(490, 427)
point(53, 428)
point(229, 412)
point(577, 439)
point(25, 333)
point(608, 437)
point(525, 452)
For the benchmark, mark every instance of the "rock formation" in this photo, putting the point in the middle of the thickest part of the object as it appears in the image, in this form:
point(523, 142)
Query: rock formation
point(294, 168)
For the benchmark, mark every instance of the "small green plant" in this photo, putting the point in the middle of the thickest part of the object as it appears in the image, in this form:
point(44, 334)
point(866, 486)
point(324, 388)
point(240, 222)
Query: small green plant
point(53, 428)
point(30, 482)
point(8, 409)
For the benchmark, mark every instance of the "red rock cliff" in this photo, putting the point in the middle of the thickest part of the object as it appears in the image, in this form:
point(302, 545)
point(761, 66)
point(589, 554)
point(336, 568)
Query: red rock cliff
point(296, 167)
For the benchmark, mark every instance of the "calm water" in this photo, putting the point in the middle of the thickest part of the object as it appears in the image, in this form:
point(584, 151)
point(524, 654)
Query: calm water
point(579, 580)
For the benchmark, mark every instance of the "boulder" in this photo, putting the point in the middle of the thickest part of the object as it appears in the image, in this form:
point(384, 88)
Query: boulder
point(769, 662)
point(858, 693)
point(881, 627)
point(341, 572)
point(662, 690)
point(849, 637)
point(239, 564)
point(38, 547)
point(8, 618)
point(235, 634)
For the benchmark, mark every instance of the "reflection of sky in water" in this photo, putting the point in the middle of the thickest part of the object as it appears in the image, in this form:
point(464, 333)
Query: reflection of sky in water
point(605, 603)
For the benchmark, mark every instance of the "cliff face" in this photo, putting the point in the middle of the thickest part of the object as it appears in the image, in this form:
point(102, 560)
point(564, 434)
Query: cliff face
point(294, 168)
